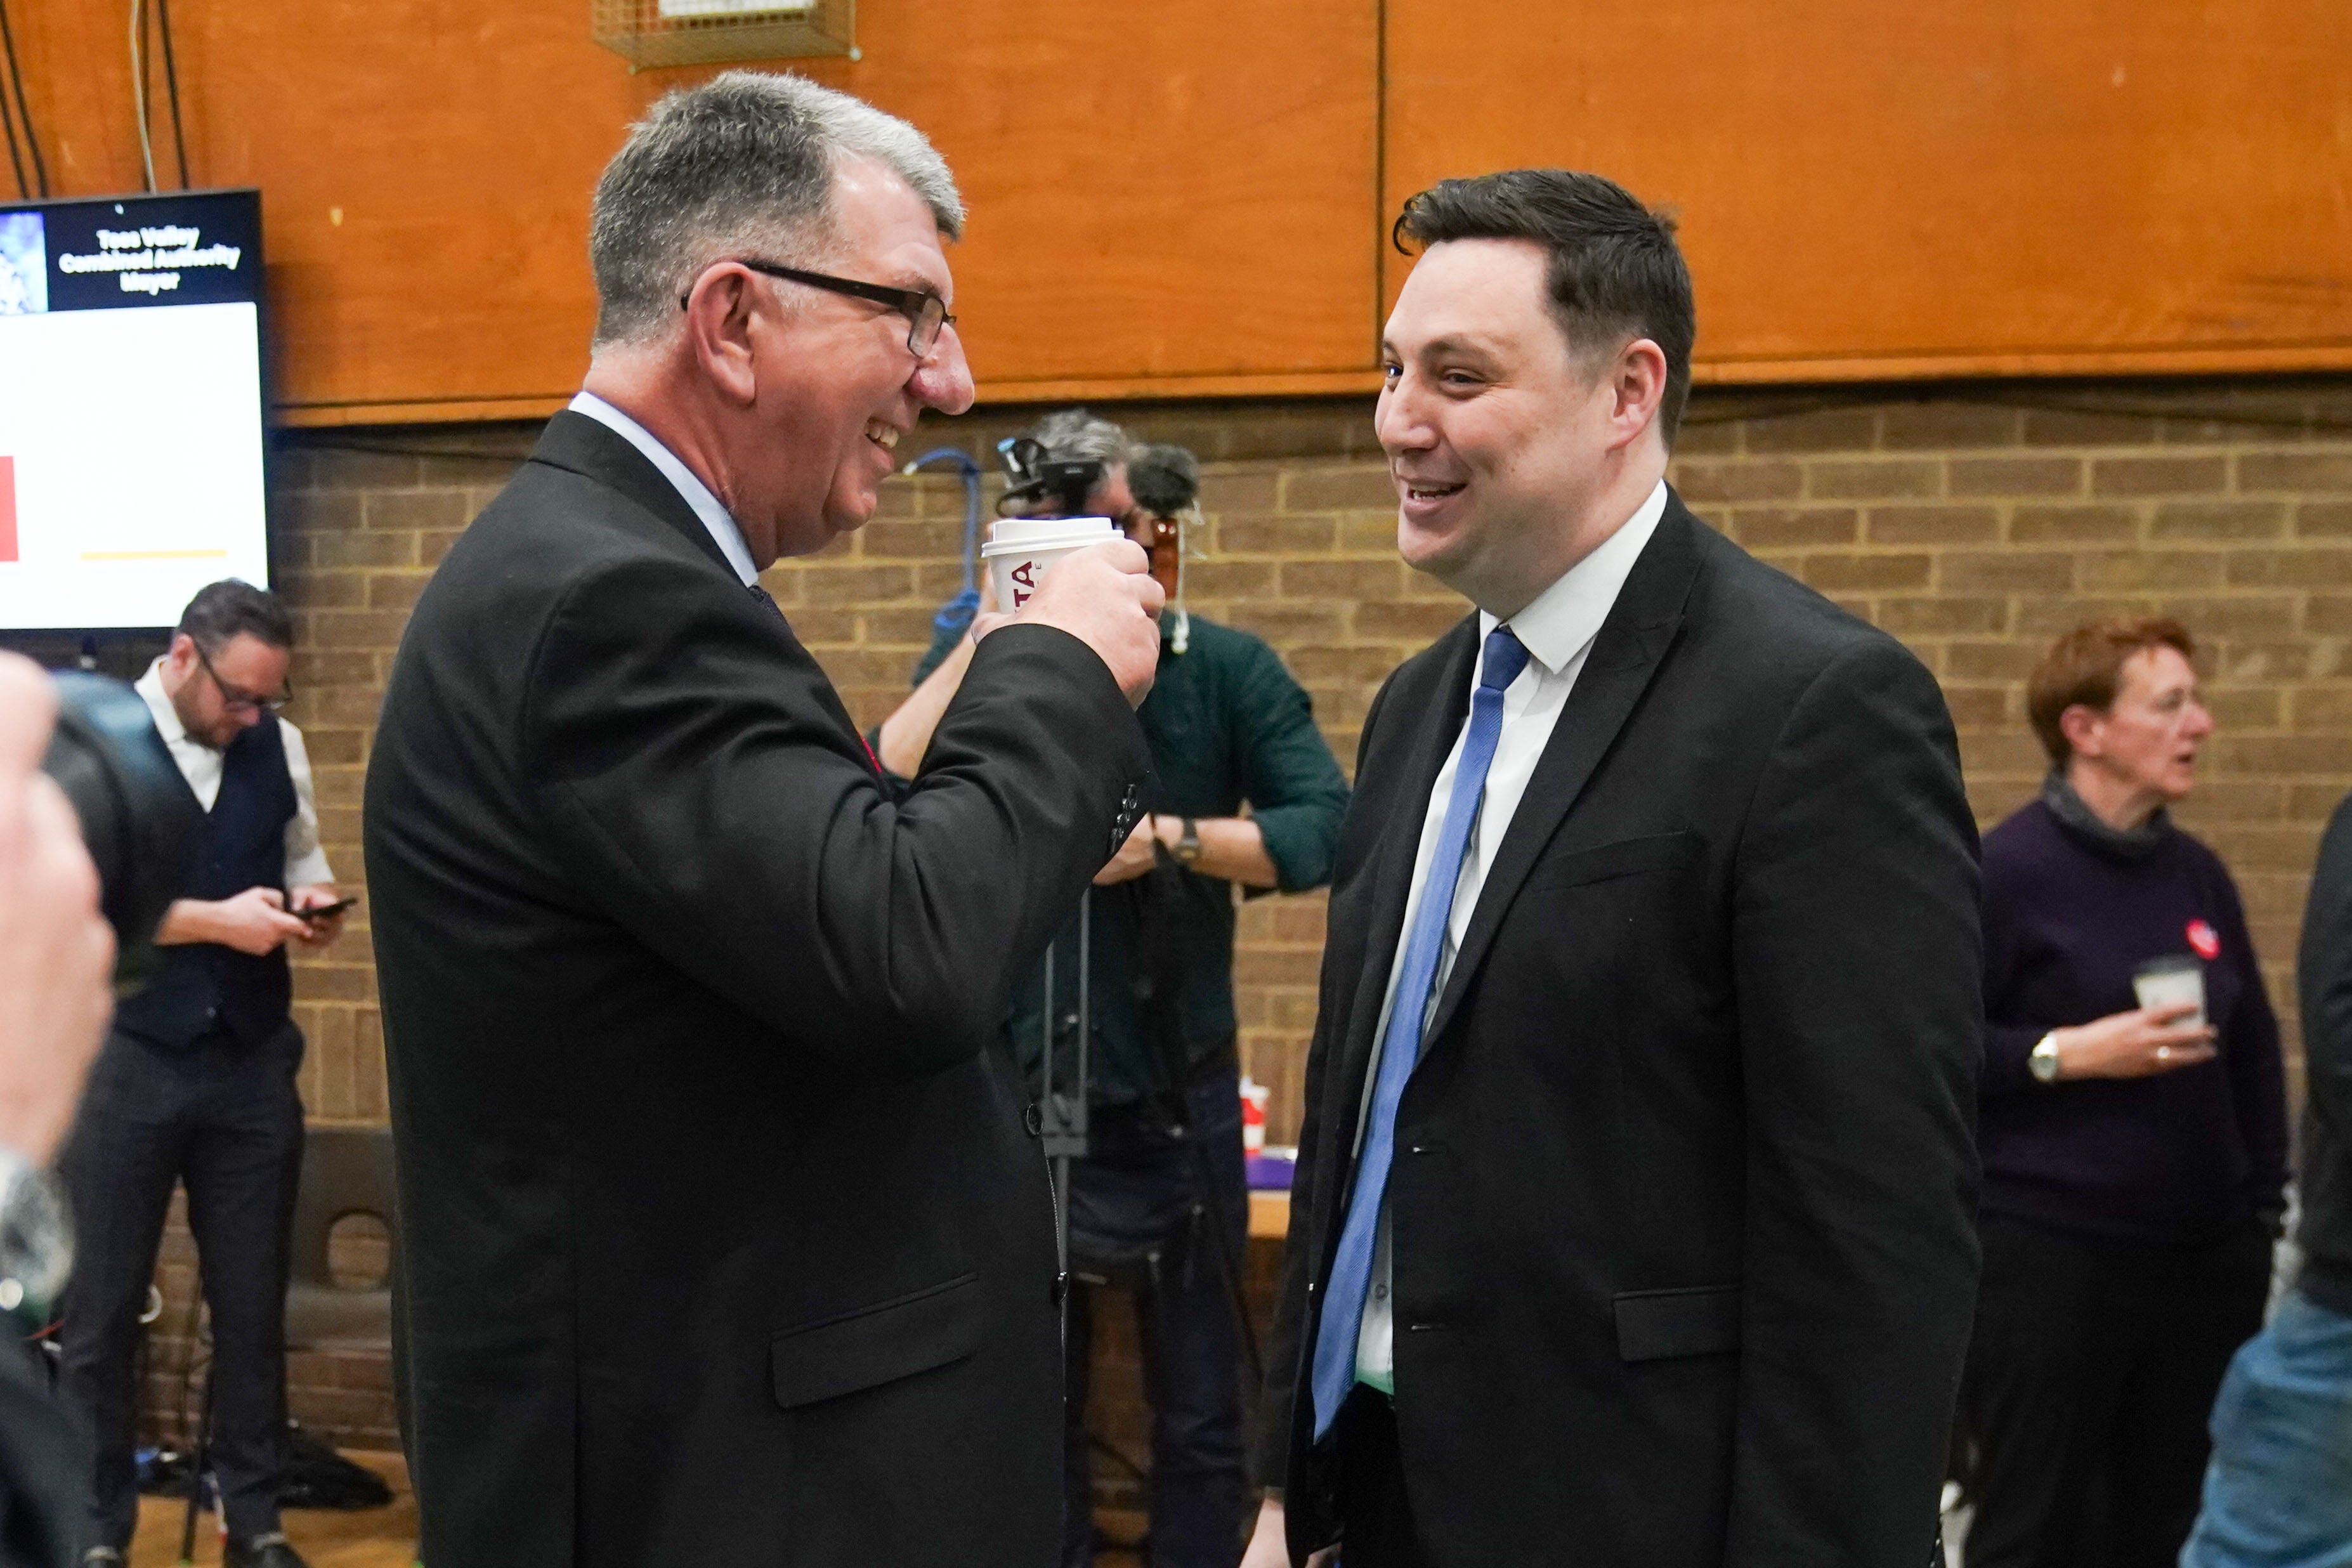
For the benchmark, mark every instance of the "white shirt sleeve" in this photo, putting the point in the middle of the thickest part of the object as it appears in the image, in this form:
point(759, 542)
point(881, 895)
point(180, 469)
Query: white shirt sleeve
point(306, 863)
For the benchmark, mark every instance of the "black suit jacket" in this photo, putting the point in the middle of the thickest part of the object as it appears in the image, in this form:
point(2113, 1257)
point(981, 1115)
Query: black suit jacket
point(1684, 1183)
point(723, 1238)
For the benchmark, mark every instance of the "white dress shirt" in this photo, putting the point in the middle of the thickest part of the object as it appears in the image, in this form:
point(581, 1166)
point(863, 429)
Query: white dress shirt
point(723, 528)
point(306, 863)
point(1557, 630)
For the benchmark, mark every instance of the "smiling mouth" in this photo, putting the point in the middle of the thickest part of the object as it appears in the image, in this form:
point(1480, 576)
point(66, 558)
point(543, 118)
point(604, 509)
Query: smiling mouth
point(1427, 492)
point(883, 435)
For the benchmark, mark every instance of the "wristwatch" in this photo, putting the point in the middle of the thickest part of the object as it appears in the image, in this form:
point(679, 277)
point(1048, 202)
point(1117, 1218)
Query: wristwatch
point(2043, 1062)
point(35, 1245)
point(1188, 847)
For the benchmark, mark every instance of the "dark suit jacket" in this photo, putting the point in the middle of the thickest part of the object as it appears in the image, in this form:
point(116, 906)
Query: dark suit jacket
point(723, 1238)
point(1684, 1189)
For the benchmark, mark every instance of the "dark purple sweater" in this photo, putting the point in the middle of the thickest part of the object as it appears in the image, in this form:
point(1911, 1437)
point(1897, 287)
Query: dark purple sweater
point(2181, 1157)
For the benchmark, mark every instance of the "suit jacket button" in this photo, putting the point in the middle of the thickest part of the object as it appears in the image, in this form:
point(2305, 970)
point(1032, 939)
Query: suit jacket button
point(1034, 1119)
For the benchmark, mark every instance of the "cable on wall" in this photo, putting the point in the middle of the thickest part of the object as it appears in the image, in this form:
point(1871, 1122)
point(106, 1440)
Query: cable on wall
point(16, 152)
point(139, 91)
point(171, 86)
point(24, 105)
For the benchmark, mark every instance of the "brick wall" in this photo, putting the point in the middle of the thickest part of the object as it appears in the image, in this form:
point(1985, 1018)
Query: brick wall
point(1973, 521)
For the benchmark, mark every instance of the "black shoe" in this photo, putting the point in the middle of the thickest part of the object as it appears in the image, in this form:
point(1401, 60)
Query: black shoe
point(271, 1550)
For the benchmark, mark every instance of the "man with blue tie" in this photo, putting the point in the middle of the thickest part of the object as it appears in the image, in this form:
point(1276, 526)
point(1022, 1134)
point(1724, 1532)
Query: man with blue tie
point(1633, 1218)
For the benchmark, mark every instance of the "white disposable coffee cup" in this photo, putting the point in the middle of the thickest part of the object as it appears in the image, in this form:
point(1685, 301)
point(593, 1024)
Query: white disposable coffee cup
point(2170, 982)
point(1020, 550)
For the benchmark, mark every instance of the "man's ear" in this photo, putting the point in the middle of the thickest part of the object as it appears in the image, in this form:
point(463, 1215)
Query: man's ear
point(1637, 388)
point(719, 314)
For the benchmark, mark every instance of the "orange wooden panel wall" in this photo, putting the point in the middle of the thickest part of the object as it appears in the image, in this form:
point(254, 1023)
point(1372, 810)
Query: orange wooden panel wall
point(1176, 197)
point(1965, 186)
point(1164, 198)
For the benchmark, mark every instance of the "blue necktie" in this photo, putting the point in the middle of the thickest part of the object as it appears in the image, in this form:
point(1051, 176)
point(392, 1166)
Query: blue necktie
point(1351, 1270)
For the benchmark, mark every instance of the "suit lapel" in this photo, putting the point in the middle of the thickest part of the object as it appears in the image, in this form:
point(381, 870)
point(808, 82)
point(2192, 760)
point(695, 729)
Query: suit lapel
point(578, 445)
point(1626, 653)
point(1445, 698)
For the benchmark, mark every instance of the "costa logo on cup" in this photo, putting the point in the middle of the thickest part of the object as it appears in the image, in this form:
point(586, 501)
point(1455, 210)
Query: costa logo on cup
point(2205, 939)
point(1019, 550)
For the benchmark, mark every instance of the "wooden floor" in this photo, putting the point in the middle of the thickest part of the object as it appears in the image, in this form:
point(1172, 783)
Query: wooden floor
point(363, 1538)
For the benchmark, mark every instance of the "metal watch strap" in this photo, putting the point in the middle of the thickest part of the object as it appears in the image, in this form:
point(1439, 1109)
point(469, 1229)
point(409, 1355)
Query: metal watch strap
point(35, 1245)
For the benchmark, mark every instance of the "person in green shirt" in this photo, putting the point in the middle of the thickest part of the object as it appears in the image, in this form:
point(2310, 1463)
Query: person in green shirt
point(1229, 728)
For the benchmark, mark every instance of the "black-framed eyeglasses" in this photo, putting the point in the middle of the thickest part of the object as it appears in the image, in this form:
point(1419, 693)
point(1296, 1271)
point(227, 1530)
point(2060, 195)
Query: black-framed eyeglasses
point(237, 696)
point(926, 313)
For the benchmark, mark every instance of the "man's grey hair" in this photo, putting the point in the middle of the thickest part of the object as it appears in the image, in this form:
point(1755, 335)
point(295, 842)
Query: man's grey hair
point(743, 164)
point(1073, 434)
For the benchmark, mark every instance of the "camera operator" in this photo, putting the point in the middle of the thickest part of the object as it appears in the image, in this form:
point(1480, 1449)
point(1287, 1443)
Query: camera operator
point(1161, 1195)
point(196, 1080)
point(55, 953)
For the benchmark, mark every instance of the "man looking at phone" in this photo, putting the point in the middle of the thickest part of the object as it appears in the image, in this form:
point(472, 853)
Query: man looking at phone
point(196, 1079)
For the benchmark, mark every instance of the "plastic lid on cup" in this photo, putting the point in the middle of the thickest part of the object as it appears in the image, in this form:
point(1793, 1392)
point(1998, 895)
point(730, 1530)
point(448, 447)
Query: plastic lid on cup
point(1013, 534)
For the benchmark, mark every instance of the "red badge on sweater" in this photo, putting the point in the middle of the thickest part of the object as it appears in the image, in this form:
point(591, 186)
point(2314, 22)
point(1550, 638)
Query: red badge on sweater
point(2205, 939)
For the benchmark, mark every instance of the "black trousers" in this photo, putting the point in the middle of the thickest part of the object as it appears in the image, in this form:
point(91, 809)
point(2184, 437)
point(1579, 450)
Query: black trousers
point(223, 1116)
point(1138, 1190)
point(2089, 1381)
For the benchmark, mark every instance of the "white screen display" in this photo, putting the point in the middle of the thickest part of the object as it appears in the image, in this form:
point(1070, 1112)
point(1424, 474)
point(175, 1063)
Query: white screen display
point(131, 426)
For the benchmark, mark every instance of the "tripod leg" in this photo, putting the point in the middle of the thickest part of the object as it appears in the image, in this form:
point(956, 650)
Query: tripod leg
point(1228, 1260)
point(1061, 1183)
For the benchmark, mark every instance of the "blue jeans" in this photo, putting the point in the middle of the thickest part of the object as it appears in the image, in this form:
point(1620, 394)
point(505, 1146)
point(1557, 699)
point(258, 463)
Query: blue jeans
point(2279, 1492)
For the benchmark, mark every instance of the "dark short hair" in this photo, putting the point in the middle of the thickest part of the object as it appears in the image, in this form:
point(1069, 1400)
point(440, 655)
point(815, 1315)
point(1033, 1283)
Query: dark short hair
point(2087, 667)
point(1613, 274)
point(222, 610)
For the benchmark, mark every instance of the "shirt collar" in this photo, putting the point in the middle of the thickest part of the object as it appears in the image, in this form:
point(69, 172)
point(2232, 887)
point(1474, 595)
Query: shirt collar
point(1559, 621)
point(149, 685)
point(723, 529)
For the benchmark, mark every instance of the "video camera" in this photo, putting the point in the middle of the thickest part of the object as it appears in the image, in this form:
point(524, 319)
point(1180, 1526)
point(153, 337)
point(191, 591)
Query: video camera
point(1036, 475)
point(137, 813)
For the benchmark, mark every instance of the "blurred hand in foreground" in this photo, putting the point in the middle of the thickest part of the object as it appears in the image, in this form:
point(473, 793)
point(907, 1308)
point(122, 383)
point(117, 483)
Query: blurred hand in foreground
point(57, 953)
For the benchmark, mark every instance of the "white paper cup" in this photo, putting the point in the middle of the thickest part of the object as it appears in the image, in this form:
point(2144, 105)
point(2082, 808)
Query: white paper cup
point(2170, 982)
point(1020, 550)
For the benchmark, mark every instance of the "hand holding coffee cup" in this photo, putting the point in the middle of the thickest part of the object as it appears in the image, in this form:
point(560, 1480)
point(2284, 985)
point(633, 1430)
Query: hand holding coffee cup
point(1021, 549)
point(2160, 1036)
point(1101, 592)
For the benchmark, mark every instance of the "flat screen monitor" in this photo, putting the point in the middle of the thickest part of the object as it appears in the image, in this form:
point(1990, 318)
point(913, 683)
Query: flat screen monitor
point(130, 407)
